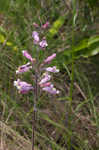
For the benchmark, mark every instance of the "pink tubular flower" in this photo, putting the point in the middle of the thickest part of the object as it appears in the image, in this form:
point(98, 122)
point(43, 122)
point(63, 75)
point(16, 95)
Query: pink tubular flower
point(44, 26)
point(52, 69)
point(46, 78)
point(50, 89)
point(27, 55)
point(23, 68)
point(45, 84)
point(43, 43)
point(50, 58)
point(35, 36)
point(22, 86)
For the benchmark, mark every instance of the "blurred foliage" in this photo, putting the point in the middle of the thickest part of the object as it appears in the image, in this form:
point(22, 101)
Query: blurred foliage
point(4, 5)
point(87, 47)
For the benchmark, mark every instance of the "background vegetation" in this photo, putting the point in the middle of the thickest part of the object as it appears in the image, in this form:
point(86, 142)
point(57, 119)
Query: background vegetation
point(69, 121)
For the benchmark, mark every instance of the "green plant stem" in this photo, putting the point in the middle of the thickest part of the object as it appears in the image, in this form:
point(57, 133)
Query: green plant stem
point(33, 129)
point(36, 98)
point(34, 109)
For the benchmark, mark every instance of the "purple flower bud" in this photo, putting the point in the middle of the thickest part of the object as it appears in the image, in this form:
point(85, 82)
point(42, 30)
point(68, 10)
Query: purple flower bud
point(46, 78)
point(44, 26)
point(27, 55)
point(23, 68)
point(22, 86)
point(35, 25)
point(50, 58)
point(50, 89)
point(35, 36)
point(52, 69)
point(43, 43)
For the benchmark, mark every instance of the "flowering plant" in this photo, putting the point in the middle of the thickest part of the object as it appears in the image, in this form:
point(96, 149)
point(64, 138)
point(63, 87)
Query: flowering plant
point(43, 74)
point(44, 81)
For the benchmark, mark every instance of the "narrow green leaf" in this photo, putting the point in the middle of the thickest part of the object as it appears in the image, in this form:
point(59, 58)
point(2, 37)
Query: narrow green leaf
point(56, 26)
point(93, 39)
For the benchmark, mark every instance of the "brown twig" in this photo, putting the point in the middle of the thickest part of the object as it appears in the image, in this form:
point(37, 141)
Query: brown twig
point(80, 90)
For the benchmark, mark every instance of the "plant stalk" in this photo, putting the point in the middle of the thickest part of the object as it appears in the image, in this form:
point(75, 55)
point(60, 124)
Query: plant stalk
point(34, 110)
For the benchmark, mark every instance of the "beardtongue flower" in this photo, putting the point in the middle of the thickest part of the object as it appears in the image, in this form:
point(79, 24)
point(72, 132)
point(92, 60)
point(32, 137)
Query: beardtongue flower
point(28, 56)
point(22, 86)
point(35, 36)
point(23, 68)
point(50, 58)
point(44, 26)
point(43, 43)
point(50, 89)
point(52, 69)
point(46, 78)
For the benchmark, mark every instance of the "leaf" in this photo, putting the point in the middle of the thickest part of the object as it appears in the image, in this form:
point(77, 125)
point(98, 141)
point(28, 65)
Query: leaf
point(85, 48)
point(83, 44)
point(2, 38)
point(56, 26)
point(93, 40)
point(94, 51)
point(2, 30)
point(8, 43)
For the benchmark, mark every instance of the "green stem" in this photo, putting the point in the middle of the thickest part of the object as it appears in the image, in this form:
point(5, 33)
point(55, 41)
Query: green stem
point(34, 110)
point(35, 101)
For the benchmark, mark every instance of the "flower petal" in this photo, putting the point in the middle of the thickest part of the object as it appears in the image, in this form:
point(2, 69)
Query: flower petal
point(52, 69)
point(43, 43)
point(27, 55)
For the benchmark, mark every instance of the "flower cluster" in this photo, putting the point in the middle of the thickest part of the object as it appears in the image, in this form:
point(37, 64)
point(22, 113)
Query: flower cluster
point(43, 44)
point(46, 85)
point(44, 82)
